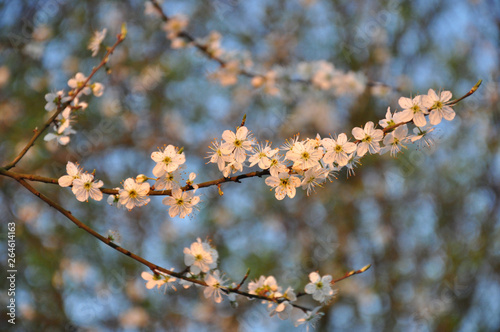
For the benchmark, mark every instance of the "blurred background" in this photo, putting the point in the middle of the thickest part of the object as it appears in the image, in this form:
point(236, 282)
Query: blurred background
point(428, 221)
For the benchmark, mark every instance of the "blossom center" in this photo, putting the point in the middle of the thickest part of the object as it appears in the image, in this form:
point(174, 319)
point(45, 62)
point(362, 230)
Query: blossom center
point(132, 193)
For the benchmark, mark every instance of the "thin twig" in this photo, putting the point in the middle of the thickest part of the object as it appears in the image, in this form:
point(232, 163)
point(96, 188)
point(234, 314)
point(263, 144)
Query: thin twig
point(108, 191)
point(223, 63)
point(471, 91)
point(451, 103)
point(243, 280)
point(351, 273)
point(61, 107)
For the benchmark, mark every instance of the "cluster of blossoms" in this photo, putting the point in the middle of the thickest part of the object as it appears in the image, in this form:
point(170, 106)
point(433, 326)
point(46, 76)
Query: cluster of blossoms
point(310, 162)
point(135, 192)
point(63, 123)
point(280, 303)
point(324, 76)
point(168, 176)
point(79, 86)
point(201, 258)
point(228, 73)
point(321, 74)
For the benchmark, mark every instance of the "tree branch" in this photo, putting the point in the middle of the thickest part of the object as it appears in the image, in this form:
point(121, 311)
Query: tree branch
point(120, 37)
point(153, 267)
point(223, 63)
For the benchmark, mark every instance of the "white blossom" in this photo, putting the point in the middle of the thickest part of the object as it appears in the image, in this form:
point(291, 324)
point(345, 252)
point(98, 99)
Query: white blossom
point(369, 137)
point(337, 149)
point(115, 199)
point(200, 257)
point(97, 89)
point(158, 280)
point(320, 287)
point(150, 10)
point(438, 105)
point(389, 119)
point(62, 138)
point(85, 187)
point(267, 287)
point(74, 172)
point(422, 135)
point(96, 40)
point(167, 160)
point(232, 167)
point(64, 120)
point(79, 82)
point(284, 185)
point(310, 318)
point(413, 109)
point(169, 180)
point(237, 143)
point(283, 310)
point(304, 155)
point(314, 177)
point(393, 141)
point(53, 100)
point(215, 284)
point(181, 202)
point(217, 156)
point(262, 156)
point(134, 194)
